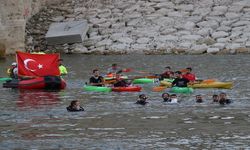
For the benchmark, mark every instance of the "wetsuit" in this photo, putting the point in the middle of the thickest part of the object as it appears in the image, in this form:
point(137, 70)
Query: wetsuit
point(141, 102)
point(121, 83)
point(199, 101)
point(96, 80)
point(70, 109)
point(224, 101)
point(167, 100)
point(180, 82)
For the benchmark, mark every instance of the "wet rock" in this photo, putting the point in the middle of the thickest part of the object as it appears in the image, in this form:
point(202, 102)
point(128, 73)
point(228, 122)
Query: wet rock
point(242, 50)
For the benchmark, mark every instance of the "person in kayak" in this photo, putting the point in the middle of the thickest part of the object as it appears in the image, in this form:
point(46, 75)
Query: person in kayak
point(198, 99)
point(223, 99)
point(121, 82)
point(179, 80)
point(188, 75)
point(75, 106)
point(167, 74)
point(62, 68)
point(113, 69)
point(166, 97)
point(96, 79)
point(173, 98)
point(142, 99)
point(13, 71)
point(215, 98)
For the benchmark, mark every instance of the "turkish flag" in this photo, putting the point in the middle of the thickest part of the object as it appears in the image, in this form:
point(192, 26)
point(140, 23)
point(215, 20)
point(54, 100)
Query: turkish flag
point(37, 64)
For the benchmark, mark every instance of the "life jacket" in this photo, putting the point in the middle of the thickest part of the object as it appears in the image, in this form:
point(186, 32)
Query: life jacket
point(189, 76)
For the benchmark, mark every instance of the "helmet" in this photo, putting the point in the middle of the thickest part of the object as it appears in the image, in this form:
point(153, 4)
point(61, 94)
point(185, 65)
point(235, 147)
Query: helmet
point(14, 64)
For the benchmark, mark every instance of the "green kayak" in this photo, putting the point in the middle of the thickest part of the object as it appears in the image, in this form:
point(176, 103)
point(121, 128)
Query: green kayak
point(181, 90)
point(5, 79)
point(143, 81)
point(90, 88)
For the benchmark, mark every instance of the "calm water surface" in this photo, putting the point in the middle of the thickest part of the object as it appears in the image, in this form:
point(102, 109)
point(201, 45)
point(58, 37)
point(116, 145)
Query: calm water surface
point(39, 120)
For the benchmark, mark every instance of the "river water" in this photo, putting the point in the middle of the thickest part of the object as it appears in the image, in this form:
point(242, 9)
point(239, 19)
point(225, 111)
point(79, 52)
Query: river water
point(39, 120)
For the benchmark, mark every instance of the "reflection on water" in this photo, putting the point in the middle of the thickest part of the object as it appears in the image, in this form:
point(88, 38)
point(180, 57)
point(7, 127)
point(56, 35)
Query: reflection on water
point(36, 119)
point(36, 99)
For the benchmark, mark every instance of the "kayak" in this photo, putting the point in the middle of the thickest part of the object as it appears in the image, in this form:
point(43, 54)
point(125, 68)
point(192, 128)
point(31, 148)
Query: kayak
point(181, 90)
point(142, 81)
point(91, 88)
point(216, 84)
point(5, 79)
point(204, 84)
point(127, 89)
point(47, 82)
point(165, 83)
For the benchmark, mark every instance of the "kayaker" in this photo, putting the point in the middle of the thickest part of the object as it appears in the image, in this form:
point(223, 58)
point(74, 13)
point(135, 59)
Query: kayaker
point(75, 106)
point(223, 99)
point(96, 79)
point(166, 97)
point(113, 69)
point(167, 74)
point(13, 71)
point(142, 99)
point(188, 75)
point(215, 98)
point(62, 68)
point(121, 82)
point(198, 99)
point(173, 98)
point(179, 80)
point(37, 50)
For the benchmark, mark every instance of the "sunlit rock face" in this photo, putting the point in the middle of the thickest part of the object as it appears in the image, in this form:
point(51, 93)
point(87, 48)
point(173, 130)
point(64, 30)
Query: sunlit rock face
point(133, 26)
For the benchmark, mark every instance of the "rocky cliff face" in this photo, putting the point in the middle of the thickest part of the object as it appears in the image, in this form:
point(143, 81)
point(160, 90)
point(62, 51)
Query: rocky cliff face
point(150, 26)
point(13, 17)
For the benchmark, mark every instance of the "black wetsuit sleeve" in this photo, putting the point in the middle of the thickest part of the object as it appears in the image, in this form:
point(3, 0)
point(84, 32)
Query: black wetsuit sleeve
point(174, 82)
point(91, 80)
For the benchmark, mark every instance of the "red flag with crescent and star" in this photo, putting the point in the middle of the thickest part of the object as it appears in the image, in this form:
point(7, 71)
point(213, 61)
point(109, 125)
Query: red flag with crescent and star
point(38, 64)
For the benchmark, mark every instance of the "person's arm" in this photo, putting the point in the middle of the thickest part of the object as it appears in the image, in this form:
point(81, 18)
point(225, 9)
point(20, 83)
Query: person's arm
point(174, 83)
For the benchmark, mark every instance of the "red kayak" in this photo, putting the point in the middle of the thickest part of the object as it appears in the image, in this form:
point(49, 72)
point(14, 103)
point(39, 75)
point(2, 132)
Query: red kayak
point(127, 89)
point(47, 82)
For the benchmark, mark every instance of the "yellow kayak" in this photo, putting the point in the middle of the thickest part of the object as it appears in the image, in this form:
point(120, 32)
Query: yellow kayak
point(205, 84)
point(216, 84)
point(165, 83)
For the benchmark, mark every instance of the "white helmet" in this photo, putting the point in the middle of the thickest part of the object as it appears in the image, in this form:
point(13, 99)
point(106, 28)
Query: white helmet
point(14, 64)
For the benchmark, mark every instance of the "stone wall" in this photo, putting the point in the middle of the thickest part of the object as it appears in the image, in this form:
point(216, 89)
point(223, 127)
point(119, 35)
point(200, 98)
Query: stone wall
point(150, 26)
point(13, 17)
